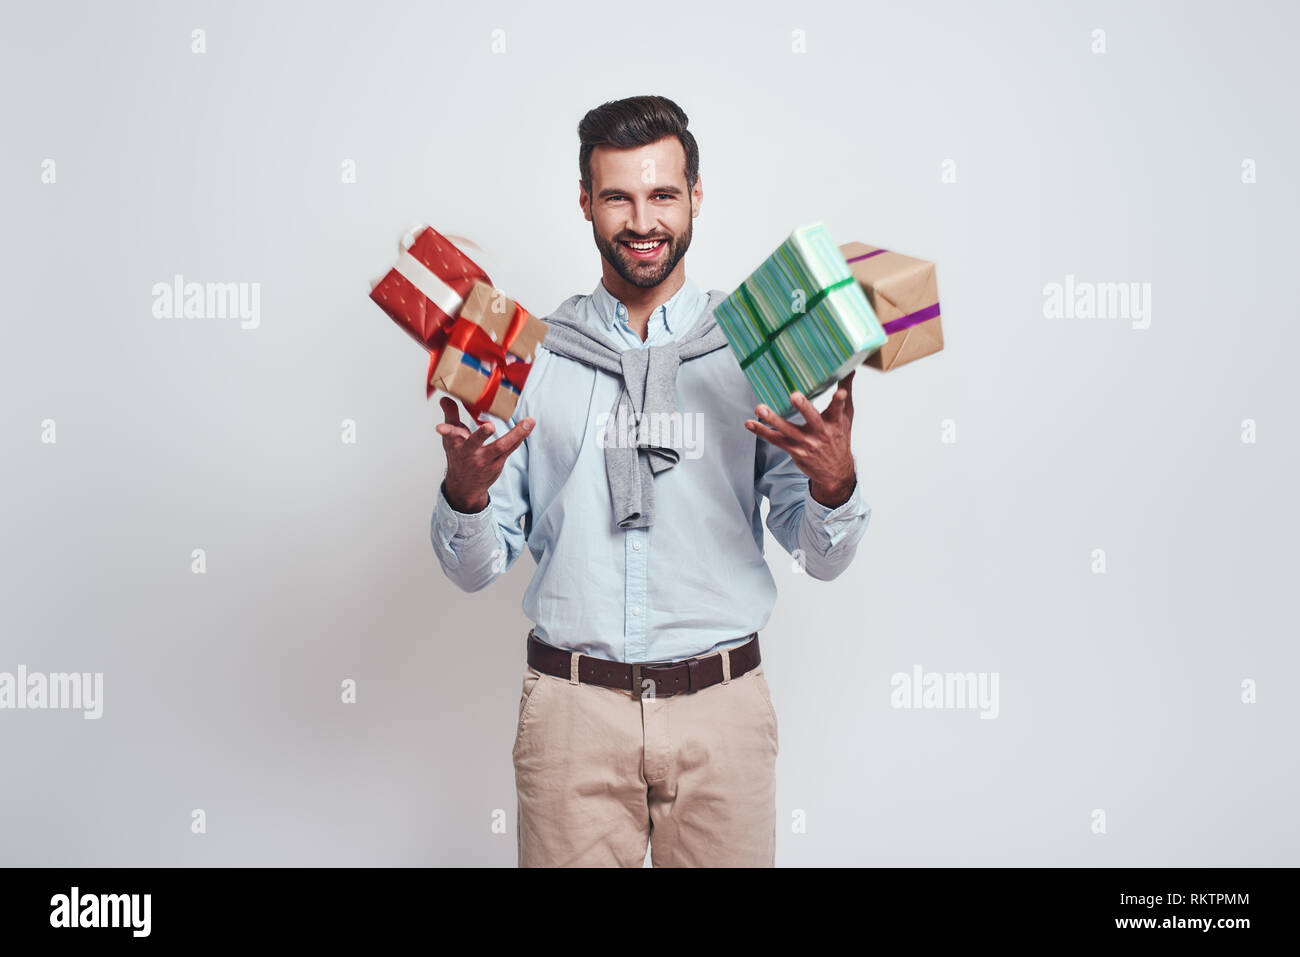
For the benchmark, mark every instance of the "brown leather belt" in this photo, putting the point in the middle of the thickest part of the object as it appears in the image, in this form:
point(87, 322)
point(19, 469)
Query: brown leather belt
point(669, 677)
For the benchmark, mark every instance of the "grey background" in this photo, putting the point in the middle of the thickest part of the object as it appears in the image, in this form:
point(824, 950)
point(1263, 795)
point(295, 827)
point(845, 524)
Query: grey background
point(1118, 691)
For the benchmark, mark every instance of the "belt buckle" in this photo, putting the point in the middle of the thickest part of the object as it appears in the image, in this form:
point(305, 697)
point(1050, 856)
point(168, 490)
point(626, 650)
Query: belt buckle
point(636, 674)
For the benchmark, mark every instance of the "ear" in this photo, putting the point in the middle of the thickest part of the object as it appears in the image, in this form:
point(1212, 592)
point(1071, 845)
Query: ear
point(697, 194)
point(584, 202)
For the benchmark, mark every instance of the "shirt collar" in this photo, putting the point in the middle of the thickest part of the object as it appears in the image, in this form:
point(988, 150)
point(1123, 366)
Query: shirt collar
point(607, 306)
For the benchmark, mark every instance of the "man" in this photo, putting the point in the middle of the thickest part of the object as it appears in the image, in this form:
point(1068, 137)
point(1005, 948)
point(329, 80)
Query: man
point(648, 538)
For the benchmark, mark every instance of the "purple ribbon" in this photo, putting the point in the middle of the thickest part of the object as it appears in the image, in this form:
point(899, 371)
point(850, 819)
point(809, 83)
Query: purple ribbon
point(911, 319)
point(874, 252)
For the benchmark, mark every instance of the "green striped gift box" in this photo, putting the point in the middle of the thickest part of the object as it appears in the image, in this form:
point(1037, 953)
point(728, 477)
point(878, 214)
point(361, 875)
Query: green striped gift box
point(800, 322)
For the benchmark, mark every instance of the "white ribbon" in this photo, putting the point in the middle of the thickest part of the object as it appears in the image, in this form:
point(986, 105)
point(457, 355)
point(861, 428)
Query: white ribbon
point(434, 289)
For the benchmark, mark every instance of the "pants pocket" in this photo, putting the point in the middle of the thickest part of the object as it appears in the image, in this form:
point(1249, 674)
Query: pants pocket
point(765, 694)
point(533, 682)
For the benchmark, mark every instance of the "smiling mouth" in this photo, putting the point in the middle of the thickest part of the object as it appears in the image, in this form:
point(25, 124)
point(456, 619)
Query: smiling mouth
point(645, 250)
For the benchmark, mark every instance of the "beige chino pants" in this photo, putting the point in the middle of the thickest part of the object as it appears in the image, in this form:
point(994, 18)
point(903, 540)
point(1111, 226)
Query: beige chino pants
point(599, 773)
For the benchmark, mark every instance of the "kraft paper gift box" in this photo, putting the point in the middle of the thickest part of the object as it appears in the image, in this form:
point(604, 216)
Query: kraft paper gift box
point(487, 352)
point(904, 292)
point(488, 357)
point(801, 321)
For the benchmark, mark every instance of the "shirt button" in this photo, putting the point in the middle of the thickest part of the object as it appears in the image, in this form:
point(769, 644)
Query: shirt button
point(636, 546)
point(635, 611)
point(449, 524)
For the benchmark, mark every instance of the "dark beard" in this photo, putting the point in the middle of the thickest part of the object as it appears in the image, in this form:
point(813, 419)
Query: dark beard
point(642, 274)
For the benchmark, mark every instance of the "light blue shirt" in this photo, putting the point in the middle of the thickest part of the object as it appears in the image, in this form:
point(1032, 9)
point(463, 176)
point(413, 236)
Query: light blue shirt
point(696, 580)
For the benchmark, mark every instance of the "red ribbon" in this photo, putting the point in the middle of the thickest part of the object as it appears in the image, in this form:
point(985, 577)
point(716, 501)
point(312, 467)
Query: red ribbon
point(469, 337)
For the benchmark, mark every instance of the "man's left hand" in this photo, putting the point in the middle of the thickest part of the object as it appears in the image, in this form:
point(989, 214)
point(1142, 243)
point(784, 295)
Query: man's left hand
point(819, 447)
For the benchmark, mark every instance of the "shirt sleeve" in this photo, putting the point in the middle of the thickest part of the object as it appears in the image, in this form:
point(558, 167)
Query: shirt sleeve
point(823, 539)
point(476, 548)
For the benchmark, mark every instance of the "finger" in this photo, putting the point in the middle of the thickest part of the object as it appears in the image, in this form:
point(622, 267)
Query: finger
point(452, 431)
point(835, 408)
point(510, 441)
point(812, 418)
point(479, 436)
point(847, 385)
point(841, 407)
point(763, 432)
point(450, 411)
point(841, 404)
point(788, 430)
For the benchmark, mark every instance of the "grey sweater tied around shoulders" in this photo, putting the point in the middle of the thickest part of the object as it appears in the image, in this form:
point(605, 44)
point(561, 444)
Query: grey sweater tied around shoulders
point(649, 394)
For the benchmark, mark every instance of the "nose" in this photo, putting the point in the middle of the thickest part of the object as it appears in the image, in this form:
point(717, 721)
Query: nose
point(643, 219)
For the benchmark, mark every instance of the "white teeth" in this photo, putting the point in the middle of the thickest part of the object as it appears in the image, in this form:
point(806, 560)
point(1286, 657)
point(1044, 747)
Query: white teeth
point(645, 247)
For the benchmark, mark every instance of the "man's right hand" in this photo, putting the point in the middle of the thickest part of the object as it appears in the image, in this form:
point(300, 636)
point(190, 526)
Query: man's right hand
point(472, 466)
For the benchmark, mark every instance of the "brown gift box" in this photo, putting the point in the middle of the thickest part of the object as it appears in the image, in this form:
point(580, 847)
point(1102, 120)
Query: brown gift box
point(463, 373)
point(901, 290)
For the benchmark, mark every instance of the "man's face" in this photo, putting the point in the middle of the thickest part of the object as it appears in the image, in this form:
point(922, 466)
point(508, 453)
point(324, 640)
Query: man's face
point(639, 195)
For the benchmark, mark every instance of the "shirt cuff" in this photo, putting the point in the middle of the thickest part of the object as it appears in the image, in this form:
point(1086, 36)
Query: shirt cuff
point(839, 521)
point(452, 522)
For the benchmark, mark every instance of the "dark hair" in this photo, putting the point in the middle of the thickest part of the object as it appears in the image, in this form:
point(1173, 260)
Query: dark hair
point(635, 121)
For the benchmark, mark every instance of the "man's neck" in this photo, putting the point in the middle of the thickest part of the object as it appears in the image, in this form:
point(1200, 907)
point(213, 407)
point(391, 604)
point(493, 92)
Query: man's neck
point(641, 302)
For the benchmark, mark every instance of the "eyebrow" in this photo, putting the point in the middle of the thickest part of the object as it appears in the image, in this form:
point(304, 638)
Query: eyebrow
point(611, 191)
